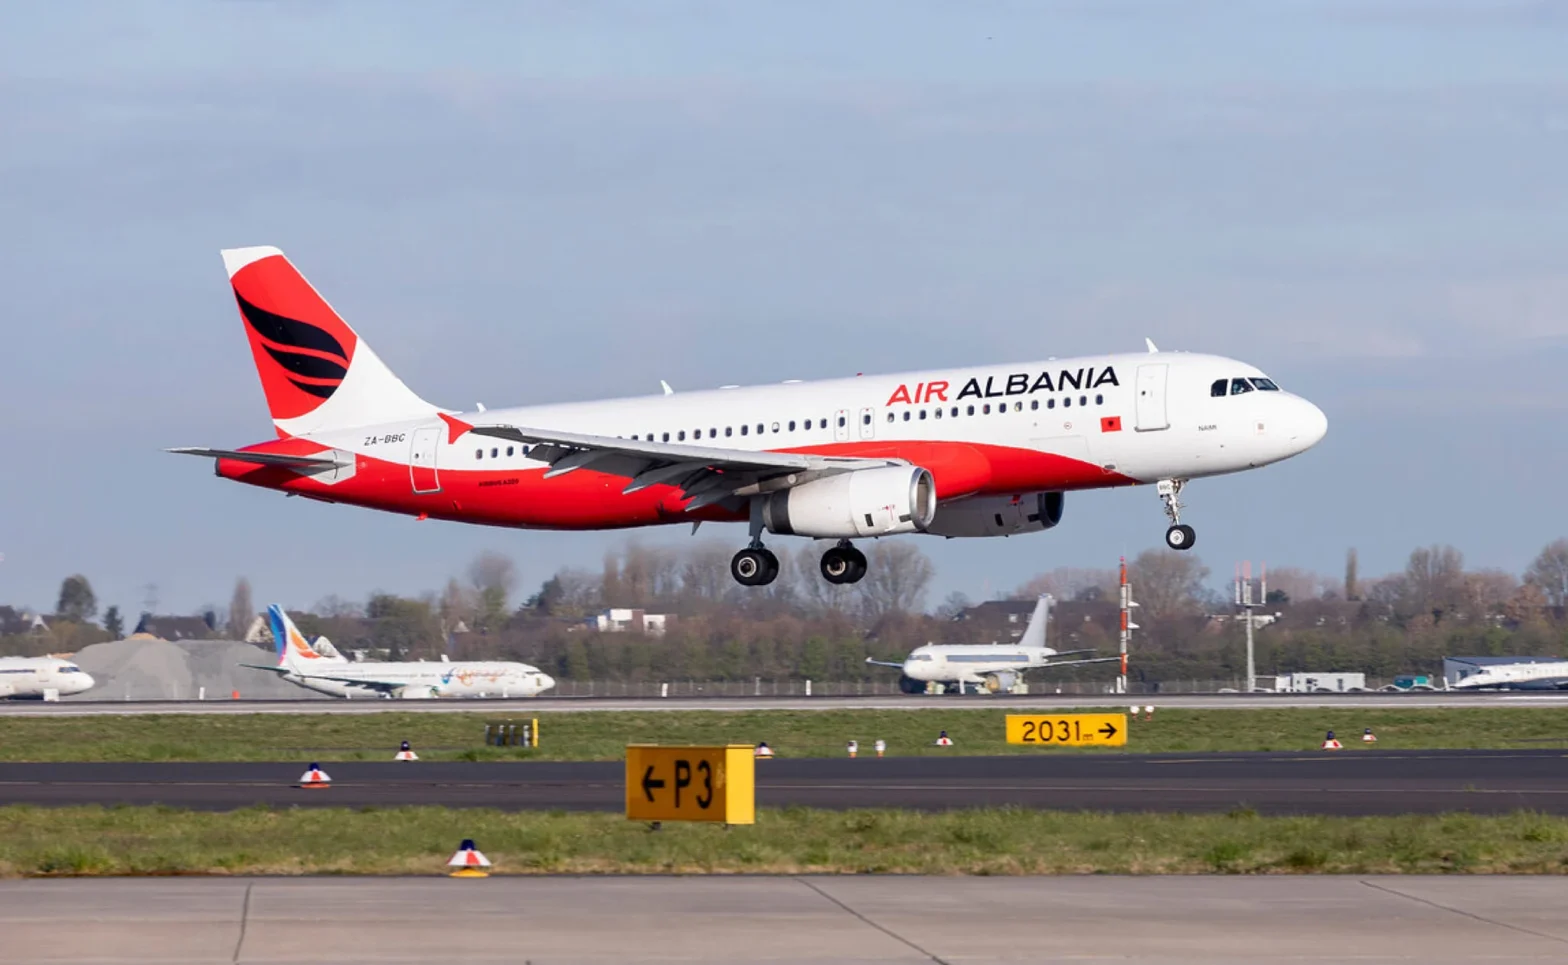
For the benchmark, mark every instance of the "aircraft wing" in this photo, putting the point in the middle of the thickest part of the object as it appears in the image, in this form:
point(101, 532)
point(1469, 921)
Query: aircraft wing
point(380, 686)
point(265, 458)
point(884, 663)
point(1069, 663)
point(704, 474)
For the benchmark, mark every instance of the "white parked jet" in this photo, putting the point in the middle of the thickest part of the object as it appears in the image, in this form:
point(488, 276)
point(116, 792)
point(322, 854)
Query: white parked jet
point(41, 678)
point(996, 667)
point(1545, 675)
point(322, 669)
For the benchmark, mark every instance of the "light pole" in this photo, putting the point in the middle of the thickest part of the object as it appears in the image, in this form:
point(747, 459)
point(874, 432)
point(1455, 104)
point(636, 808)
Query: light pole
point(1247, 601)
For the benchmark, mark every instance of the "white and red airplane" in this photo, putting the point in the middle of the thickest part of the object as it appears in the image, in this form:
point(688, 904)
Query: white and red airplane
point(975, 451)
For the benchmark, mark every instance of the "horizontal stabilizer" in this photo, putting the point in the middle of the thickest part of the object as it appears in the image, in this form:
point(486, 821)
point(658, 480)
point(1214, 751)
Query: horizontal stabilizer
point(265, 458)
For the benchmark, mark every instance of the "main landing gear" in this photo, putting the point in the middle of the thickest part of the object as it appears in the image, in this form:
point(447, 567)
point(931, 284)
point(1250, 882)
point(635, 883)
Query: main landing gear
point(843, 564)
point(1179, 536)
point(754, 566)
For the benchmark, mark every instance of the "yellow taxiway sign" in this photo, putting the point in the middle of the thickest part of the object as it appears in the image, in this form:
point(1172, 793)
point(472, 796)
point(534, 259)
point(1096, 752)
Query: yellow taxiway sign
point(1068, 730)
point(715, 783)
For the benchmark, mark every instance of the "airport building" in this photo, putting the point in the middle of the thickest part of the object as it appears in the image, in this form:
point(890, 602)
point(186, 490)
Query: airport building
point(1313, 683)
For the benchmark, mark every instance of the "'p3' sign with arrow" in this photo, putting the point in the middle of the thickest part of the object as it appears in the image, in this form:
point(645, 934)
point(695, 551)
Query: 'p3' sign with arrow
point(691, 783)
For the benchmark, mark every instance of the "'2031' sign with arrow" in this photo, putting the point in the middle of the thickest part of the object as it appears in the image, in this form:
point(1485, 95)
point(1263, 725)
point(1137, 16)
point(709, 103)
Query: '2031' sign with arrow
point(714, 783)
point(1068, 730)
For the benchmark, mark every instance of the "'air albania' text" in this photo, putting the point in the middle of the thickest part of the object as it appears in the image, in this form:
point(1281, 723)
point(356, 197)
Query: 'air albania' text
point(1018, 383)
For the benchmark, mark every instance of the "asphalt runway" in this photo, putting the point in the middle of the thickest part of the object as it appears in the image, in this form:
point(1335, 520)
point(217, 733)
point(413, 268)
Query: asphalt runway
point(1351, 782)
point(899, 920)
point(89, 708)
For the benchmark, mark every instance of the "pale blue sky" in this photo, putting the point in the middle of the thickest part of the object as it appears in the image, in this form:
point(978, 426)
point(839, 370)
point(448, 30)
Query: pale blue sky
point(525, 202)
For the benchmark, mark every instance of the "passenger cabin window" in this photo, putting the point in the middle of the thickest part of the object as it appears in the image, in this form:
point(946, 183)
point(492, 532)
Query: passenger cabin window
point(1238, 386)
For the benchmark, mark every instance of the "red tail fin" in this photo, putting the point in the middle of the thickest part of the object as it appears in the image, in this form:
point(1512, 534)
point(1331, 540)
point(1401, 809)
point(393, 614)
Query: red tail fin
point(316, 372)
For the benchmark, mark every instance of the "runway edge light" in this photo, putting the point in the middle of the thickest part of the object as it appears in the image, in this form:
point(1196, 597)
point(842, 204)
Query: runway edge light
point(468, 861)
point(1331, 743)
point(314, 777)
point(406, 753)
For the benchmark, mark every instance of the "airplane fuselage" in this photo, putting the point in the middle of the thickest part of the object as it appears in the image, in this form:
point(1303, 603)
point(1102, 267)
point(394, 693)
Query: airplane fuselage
point(31, 678)
point(1051, 426)
point(422, 680)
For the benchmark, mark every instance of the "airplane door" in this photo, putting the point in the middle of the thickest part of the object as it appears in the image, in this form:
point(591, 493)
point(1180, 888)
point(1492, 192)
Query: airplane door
point(868, 426)
point(422, 460)
point(1151, 398)
point(841, 425)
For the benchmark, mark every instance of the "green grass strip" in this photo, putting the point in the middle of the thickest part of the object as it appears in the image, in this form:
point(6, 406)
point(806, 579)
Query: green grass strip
point(1002, 841)
point(603, 735)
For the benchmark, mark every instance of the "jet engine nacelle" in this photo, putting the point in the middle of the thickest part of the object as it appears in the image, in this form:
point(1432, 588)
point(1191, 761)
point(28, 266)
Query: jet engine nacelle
point(998, 515)
point(1000, 682)
point(865, 502)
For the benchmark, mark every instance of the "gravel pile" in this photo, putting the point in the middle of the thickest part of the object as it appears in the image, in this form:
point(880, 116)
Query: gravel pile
point(146, 669)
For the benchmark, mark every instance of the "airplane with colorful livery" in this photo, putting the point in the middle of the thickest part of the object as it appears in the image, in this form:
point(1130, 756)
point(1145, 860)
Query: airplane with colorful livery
point(977, 451)
point(318, 666)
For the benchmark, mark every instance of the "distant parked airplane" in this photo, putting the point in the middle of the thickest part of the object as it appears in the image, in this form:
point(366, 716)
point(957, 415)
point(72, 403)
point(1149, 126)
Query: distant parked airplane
point(38, 678)
point(996, 667)
point(322, 669)
point(1545, 675)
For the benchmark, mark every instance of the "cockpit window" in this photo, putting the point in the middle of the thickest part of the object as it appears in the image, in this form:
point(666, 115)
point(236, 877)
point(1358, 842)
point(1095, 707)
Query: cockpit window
point(1218, 389)
point(1265, 385)
point(920, 656)
point(1238, 386)
point(68, 668)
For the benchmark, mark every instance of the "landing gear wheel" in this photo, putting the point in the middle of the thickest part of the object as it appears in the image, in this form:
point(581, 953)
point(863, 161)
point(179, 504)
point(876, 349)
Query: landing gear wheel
point(857, 564)
point(843, 564)
point(754, 567)
point(1181, 537)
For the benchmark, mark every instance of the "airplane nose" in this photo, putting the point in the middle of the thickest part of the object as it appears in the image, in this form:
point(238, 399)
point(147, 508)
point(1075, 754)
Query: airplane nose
point(546, 681)
point(85, 684)
point(1311, 425)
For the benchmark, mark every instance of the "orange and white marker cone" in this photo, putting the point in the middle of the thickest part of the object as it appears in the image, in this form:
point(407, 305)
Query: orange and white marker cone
point(315, 777)
point(853, 747)
point(1148, 712)
point(406, 753)
point(763, 751)
point(942, 740)
point(1367, 737)
point(468, 862)
point(881, 747)
point(1331, 743)
point(1132, 713)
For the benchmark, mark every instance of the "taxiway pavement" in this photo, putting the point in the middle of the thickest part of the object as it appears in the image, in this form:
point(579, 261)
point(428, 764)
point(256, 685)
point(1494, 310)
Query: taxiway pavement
point(1351, 782)
point(733, 919)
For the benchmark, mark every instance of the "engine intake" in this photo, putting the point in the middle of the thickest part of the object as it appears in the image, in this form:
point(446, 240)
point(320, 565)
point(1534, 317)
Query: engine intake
point(865, 502)
point(998, 515)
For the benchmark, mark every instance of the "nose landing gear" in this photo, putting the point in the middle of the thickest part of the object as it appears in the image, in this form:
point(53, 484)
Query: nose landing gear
point(843, 564)
point(1179, 536)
